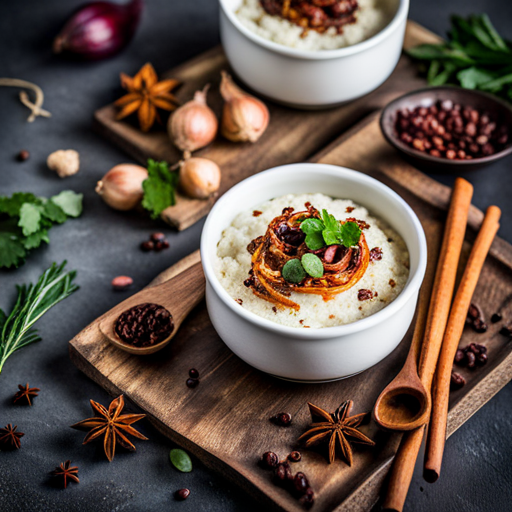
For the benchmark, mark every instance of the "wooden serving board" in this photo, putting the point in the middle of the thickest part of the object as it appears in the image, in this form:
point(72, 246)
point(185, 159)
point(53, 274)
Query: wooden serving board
point(292, 135)
point(225, 420)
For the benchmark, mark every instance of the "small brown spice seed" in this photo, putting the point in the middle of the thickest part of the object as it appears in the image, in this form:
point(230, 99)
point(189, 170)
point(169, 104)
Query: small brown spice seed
point(147, 246)
point(496, 318)
point(269, 460)
point(23, 155)
point(457, 381)
point(294, 456)
point(283, 474)
point(506, 330)
point(192, 383)
point(283, 419)
point(157, 237)
point(182, 494)
point(193, 373)
point(121, 282)
point(307, 500)
point(300, 483)
point(471, 358)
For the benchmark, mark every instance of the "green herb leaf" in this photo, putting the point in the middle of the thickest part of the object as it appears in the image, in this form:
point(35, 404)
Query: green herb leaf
point(312, 265)
point(54, 212)
point(32, 303)
point(350, 234)
point(159, 188)
point(70, 202)
point(293, 272)
point(12, 205)
point(34, 240)
point(30, 217)
point(312, 225)
point(181, 460)
point(315, 240)
point(471, 78)
point(12, 251)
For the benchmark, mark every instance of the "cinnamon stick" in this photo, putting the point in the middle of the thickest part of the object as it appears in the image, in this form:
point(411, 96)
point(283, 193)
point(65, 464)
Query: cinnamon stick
point(441, 394)
point(444, 283)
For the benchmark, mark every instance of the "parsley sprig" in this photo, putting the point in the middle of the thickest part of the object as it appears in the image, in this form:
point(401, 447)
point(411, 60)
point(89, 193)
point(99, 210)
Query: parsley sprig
point(329, 231)
point(159, 188)
point(25, 220)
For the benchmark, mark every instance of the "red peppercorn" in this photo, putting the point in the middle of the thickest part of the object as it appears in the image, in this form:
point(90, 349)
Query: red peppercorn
point(23, 155)
point(157, 237)
point(182, 494)
point(147, 246)
point(193, 373)
point(192, 383)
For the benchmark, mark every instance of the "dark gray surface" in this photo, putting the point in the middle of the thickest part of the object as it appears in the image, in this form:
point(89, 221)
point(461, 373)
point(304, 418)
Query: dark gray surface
point(103, 243)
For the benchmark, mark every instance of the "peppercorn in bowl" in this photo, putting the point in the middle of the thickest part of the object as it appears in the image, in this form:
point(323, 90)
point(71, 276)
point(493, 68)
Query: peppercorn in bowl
point(448, 128)
point(311, 351)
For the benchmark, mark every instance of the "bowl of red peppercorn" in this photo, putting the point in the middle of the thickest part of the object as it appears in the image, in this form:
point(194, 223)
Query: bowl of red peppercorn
point(448, 129)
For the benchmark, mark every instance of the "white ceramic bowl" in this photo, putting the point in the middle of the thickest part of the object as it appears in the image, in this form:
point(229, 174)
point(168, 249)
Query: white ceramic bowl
point(313, 355)
point(311, 79)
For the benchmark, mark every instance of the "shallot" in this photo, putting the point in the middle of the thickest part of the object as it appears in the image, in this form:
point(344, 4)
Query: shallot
point(199, 177)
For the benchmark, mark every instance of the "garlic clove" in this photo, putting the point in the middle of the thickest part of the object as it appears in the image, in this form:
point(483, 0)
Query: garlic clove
point(193, 125)
point(244, 117)
point(121, 187)
point(199, 177)
point(64, 162)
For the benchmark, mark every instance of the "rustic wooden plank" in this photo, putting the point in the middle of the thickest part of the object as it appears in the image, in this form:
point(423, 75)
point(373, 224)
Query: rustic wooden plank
point(225, 420)
point(292, 136)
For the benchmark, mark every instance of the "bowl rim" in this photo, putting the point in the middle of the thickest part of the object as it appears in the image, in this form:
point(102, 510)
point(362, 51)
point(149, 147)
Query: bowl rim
point(412, 286)
point(399, 16)
point(401, 146)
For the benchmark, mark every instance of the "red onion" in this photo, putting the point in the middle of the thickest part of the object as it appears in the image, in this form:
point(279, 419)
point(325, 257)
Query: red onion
point(99, 29)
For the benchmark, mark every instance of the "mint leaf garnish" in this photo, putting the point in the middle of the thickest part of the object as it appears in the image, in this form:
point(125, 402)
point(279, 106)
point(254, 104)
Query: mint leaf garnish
point(180, 460)
point(350, 234)
point(315, 240)
point(312, 265)
point(293, 271)
point(311, 225)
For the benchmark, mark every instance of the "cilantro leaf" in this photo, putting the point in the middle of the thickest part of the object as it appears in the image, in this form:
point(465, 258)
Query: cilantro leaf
point(12, 205)
point(350, 234)
point(54, 212)
point(30, 217)
point(34, 240)
point(70, 202)
point(159, 188)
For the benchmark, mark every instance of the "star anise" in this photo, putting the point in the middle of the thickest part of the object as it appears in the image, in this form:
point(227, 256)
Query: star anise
point(24, 394)
point(64, 472)
point(9, 438)
point(112, 425)
point(145, 95)
point(339, 427)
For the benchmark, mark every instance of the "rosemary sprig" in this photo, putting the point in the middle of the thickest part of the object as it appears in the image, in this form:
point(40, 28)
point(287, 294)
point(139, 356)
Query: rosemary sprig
point(16, 330)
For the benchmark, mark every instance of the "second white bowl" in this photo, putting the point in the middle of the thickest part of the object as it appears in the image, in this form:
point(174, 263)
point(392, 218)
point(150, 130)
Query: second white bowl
point(313, 355)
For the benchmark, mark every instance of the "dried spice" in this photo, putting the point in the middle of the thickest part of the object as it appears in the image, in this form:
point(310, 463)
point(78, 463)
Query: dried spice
point(365, 294)
point(112, 425)
point(144, 325)
point(269, 460)
point(471, 356)
point(145, 95)
point(65, 472)
point(283, 419)
point(376, 254)
point(182, 494)
point(294, 456)
point(496, 317)
point(338, 427)
point(457, 381)
point(476, 318)
point(9, 438)
point(23, 396)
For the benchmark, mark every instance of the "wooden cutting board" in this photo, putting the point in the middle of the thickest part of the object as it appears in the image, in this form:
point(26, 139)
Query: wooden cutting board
point(292, 135)
point(225, 420)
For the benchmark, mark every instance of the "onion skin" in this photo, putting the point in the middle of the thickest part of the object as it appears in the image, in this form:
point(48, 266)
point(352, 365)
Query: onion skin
point(244, 117)
point(199, 177)
point(99, 29)
point(193, 125)
point(121, 187)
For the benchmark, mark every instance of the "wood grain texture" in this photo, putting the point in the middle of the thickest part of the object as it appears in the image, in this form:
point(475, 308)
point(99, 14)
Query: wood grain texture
point(292, 135)
point(225, 422)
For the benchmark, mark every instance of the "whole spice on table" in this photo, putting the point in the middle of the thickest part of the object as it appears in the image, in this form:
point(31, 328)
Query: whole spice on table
point(450, 130)
point(471, 356)
point(476, 318)
point(159, 188)
point(193, 125)
point(121, 187)
point(32, 303)
point(156, 242)
point(23, 155)
point(244, 117)
point(10, 438)
point(269, 460)
point(145, 95)
point(295, 456)
point(35, 107)
point(144, 325)
point(25, 394)
point(199, 177)
point(474, 57)
point(282, 419)
point(26, 219)
point(192, 383)
point(193, 373)
point(180, 460)
point(182, 494)
point(112, 425)
point(65, 472)
point(337, 427)
point(457, 381)
point(99, 29)
point(506, 330)
point(283, 475)
point(121, 283)
point(65, 162)
point(496, 317)
point(319, 15)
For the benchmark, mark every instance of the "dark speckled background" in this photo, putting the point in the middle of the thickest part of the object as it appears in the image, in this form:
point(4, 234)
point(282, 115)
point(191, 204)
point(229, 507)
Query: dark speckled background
point(477, 471)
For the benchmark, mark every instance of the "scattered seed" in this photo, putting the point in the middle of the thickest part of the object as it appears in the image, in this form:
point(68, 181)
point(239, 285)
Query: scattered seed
point(23, 155)
point(182, 494)
point(147, 246)
point(192, 383)
point(294, 456)
point(120, 283)
point(283, 419)
point(496, 318)
point(269, 460)
point(157, 237)
point(193, 373)
point(457, 381)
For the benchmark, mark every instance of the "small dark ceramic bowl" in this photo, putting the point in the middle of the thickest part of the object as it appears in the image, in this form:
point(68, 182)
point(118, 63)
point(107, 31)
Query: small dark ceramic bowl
point(499, 111)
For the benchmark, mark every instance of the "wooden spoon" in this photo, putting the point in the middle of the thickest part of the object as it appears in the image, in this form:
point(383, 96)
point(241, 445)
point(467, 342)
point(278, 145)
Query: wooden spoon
point(179, 295)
